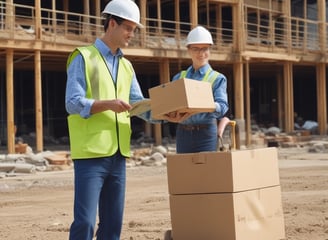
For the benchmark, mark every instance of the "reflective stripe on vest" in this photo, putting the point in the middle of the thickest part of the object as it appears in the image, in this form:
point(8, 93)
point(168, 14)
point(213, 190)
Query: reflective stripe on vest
point(210, 75)
point(104, 133)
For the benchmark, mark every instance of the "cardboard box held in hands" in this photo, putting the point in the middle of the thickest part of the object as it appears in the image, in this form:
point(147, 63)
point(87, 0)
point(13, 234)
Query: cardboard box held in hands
point(183, 95)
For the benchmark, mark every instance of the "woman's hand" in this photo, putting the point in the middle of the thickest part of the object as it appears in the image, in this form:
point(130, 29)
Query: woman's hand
point(177, 116)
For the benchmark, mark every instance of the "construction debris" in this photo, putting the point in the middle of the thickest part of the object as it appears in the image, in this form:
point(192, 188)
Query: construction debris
point(144, 153)
point(24, 161)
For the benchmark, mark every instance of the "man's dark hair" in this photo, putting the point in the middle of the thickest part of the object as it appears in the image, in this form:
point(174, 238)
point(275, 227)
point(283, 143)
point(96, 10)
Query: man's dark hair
point(108, 17)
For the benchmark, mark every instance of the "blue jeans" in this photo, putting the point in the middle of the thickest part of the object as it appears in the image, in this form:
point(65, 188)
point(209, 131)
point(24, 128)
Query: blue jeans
point(99, 185)
point(203, 139)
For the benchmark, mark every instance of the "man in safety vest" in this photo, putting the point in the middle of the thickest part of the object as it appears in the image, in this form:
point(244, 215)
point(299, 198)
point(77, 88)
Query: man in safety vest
point(198, 132)
point(101, 85)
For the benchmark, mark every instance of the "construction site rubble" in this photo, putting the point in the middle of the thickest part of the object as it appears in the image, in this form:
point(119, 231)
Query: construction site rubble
point(145, 153)
point(27, 162)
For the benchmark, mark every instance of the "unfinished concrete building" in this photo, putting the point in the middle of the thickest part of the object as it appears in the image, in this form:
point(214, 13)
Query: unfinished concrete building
point(273, 52)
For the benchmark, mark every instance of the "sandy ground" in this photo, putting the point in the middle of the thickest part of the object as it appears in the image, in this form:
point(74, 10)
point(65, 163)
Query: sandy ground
point(39, 206)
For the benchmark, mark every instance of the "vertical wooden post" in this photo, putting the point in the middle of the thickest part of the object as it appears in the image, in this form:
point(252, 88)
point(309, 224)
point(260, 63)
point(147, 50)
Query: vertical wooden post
point(238, 90)
point(66, 10)
point(38, 101)
point(193, 13)
point(10, 18)
point(54, 16)
point(238, 103)
point(288, 25)
point(10, 100)
point(288, 97)
point(38, 25)
point(159, 18)
point(280, 99)
point(177, 22)
point(143, 21)
point(86, 19)
point(321, 98)
point(248, 106)
point(98, 20)
point(219, 26)
point(322, 24)
point(164, 69)
point(321, 70)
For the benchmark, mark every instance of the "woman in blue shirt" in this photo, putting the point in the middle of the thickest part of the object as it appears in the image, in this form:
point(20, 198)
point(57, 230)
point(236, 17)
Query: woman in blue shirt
point(198, 132)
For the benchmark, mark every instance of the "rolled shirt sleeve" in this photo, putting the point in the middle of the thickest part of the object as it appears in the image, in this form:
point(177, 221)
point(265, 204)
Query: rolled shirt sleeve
point(75, 100)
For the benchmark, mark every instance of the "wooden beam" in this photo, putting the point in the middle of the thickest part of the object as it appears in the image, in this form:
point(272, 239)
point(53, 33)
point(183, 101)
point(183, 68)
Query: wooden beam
point(10, 100)
point(321, 98)
point(38, 25)
point(66, 10)
point(280, 99)
point(159, 17)
point(288, 97)
point(97, 13)
point(322, 24)
point(86, 18)
point(238, 90)
point(177, 21)
point(248, 105)
point(193, 13)
point(270, 56)
point(143, 17)
point(225, 1)
point(54, 16)
point(164, 69)
point(10, 17)
point(38, 101)
point(238, 24)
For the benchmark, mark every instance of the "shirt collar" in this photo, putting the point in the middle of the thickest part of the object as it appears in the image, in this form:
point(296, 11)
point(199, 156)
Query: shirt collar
point(105, 50)
point(201, 70)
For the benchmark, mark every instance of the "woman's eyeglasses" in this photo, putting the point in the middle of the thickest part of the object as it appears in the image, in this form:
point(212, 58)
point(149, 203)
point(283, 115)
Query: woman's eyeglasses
point(199, 50)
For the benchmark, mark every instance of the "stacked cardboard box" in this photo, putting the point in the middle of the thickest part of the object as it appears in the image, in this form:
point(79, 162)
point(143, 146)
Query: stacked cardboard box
point(226, 195)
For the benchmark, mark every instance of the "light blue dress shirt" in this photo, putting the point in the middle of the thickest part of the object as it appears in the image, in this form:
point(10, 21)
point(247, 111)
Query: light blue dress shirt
point(220, 96)
point(76, 101)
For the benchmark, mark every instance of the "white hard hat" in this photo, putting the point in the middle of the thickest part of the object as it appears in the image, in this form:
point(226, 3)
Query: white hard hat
point(199, 35)
point(126, 9)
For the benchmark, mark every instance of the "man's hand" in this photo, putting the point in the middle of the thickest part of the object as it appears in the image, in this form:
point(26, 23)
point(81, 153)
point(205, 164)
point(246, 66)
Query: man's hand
point(116, 105)
point(119, 106)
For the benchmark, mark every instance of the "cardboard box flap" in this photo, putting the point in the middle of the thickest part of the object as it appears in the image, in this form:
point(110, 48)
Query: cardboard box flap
point(215, 172)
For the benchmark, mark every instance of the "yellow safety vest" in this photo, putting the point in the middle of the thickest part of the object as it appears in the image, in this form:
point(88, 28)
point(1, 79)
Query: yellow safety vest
point(104, 133)
point(208, 76)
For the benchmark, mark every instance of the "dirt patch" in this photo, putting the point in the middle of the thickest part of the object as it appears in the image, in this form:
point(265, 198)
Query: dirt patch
point(39, 206)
